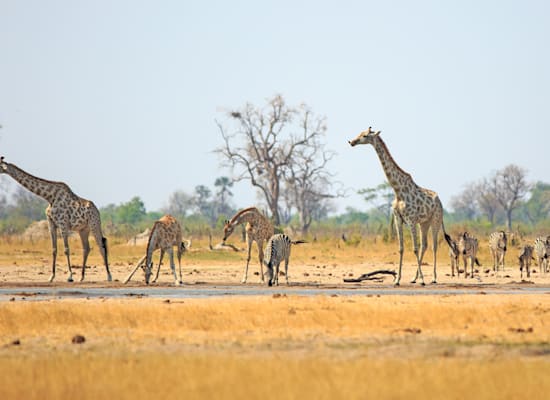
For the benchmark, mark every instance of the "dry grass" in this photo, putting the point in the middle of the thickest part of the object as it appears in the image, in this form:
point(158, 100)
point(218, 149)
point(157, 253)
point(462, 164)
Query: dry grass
point(278, 347)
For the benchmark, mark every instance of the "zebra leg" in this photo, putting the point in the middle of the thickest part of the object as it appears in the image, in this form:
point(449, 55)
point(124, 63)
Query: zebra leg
point(276, 274)
point(286, 270)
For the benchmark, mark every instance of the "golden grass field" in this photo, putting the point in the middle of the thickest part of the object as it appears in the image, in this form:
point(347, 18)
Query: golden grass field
point(280, 345)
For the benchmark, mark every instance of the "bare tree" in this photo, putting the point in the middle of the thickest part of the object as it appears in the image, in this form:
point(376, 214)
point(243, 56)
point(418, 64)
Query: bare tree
point(466, 203)
point(307, 180)
point(262, 144)
point(509, 188)
point(179, 204)
point(486, 199)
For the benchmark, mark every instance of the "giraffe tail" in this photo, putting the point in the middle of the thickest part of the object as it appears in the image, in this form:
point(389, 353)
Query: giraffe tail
point(448, 239)
point(104, 244)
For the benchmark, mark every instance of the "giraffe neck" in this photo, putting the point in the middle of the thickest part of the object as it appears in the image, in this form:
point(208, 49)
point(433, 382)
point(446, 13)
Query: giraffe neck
point(48, 190)
point(397, 178)
point(244, 218)
point(152, 243)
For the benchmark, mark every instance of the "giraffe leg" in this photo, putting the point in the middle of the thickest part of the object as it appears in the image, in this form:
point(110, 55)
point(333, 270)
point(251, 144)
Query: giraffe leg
point(65, 236)
point(245, 276)
point(85, 250)
point(418, 254)
point(173, 266)
point(399, 229)
point(261, 257)
point(435, 233)
point(179, 261)
point(102, 244)
point(158, 269)
point(53, 235)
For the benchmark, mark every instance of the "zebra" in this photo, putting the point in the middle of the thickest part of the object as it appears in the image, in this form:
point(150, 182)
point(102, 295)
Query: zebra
point(542, 252)
point(467, 246)
point(497, 245)
point(525, 257)
point(454, 254)
point(277, 250)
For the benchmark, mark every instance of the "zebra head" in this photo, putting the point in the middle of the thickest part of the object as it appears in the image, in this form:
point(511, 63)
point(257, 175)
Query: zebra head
point(502, 240)
point(365, 137)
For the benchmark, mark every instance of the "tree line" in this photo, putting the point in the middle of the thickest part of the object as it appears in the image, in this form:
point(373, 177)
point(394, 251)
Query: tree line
point(280, 150)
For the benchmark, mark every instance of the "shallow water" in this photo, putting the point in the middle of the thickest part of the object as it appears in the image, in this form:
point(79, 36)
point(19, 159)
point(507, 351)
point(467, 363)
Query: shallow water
point(213, 290)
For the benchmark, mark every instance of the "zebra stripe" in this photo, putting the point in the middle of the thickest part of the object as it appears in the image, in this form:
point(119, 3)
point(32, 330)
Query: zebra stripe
point(542, 252)
point(498, 242)
point(468, 246)
point(525, 257)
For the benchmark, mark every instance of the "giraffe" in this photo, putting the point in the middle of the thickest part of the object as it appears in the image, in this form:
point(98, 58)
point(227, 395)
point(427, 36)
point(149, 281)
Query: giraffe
point(165, 234)
point(66, 212)
point(413, 205)
point(258, 229)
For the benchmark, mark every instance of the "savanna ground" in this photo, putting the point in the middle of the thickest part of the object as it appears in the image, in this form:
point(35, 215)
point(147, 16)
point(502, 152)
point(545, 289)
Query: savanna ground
point(278, 345)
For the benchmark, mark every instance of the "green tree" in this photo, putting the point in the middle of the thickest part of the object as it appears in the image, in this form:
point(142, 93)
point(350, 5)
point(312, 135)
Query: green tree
point(131, 212)
point(537, 208)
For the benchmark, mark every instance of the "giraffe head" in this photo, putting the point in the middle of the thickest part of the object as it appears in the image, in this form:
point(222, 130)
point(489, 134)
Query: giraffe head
point(365, 137)
point(228, 228)
point(3, 165)
point(147, 271)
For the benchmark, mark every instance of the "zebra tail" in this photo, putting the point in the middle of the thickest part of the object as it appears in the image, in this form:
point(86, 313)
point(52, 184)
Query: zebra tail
point(298, 241)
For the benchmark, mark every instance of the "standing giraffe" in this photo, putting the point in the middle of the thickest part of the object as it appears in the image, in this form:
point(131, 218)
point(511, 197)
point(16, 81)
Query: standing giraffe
point(413, 205)
point(257, 228)
point(165, 234)
point(65, 211)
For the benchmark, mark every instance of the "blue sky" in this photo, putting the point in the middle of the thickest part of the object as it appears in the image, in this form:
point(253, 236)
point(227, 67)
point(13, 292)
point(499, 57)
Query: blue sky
point(119, 98)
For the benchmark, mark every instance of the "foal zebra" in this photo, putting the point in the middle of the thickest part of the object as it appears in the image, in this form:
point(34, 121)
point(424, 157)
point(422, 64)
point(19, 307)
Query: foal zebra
point(277, 250)
point(454, 254)
point(497, 244)
point(542, 251)
point(525, 259)
point(467, 246)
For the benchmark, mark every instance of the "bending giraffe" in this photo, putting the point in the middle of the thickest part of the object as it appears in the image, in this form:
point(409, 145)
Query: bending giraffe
point(165, 234)
point(413, 205)
point(258, 229)
point(66, 212)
